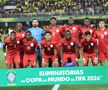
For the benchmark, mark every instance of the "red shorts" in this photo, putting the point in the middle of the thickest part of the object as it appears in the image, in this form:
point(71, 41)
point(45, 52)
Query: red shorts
point(71, 56)
point(29, 58)
point(13, 58)
point(89, 55)
point(46, 57)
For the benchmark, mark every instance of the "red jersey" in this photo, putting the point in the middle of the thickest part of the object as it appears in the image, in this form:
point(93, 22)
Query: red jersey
point(29, 45)
point(74, 29)
point(89, 46)
point(48, 47)
point(68, 46)
point(84, 29)
point(102, 36)
point(56, 33)
point(20, 34)
point(12, 46)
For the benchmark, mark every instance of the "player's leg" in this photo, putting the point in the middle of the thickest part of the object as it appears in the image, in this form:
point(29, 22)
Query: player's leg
point(45, 61)
point(9, 60)
point(73, 59)
point(59, 56)
point(25, 61)
point(33, 60)
point(86, 59)
point(21, 59)
point(101, 57)
point(39, 57)
point(17, 60)
point(55, 62)
point(94, 60)
point(64, 59)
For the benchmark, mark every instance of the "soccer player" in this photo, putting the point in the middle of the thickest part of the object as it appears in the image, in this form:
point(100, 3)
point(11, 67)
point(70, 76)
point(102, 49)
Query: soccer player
point(75, 32)
point(68, 48)
point(49, 52)
point(102, 36)
point(89, 49)
point(87, 27)
point(56, 34)
point(11, 50)
point(29, 45)
point(20, 33)
point(37, 33)
point(73, 28)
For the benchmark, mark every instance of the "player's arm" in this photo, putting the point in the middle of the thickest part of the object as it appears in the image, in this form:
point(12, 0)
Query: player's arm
point(55, 54)
point(81, 50)
point(4, 48)
point(96, 51)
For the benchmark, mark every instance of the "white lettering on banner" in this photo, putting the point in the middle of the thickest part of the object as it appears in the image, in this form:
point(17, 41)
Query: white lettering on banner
point(58, 79)
point(62, 72)
point(28, 80)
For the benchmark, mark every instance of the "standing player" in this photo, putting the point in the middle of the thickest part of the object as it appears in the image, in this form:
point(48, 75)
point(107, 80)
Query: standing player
point(11, 50)
point(89, 49)
point(87, 27)
point(56, 34)
point(75, 32)
point(20, 33)
point(68, 48)
point(37, 33)
point(102, 36)
point(73, 28)
point(49, 52)
point(29, 45)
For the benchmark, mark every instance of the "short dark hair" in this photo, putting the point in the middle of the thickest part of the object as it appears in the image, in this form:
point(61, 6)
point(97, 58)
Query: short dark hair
point(53, 18)
point(67, 31)
point(34, 19)
point(101, 20)
point(28, 32)
point(13, 33)
point(48, 32)
point(87, 33)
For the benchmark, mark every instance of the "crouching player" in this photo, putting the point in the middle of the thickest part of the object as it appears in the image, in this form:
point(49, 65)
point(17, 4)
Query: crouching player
point(29, 44)
point(68, 50)
point(49, 51)
point(89, 49)
point(11, 50)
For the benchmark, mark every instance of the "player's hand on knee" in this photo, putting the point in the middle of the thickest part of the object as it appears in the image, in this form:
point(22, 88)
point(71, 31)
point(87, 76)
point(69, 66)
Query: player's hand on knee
point(84, 61)
point(96, 60)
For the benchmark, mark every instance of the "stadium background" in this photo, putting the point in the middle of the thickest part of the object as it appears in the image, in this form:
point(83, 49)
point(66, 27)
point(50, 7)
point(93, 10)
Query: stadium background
point(13, 11)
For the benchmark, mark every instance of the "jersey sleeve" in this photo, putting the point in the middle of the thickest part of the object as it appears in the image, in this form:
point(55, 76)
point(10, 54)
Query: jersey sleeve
point(95, 35)
point(42, 44)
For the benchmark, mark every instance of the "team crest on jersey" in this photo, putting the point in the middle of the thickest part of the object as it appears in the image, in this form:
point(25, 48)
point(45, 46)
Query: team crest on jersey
point(18, 42)
point(51, 46)
point(92, 44)
point(57, 30)
point(72, 43)
point(32, 44)
point(49, 49)
point(74, 28)
point(105, 33)
point(23, 35)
